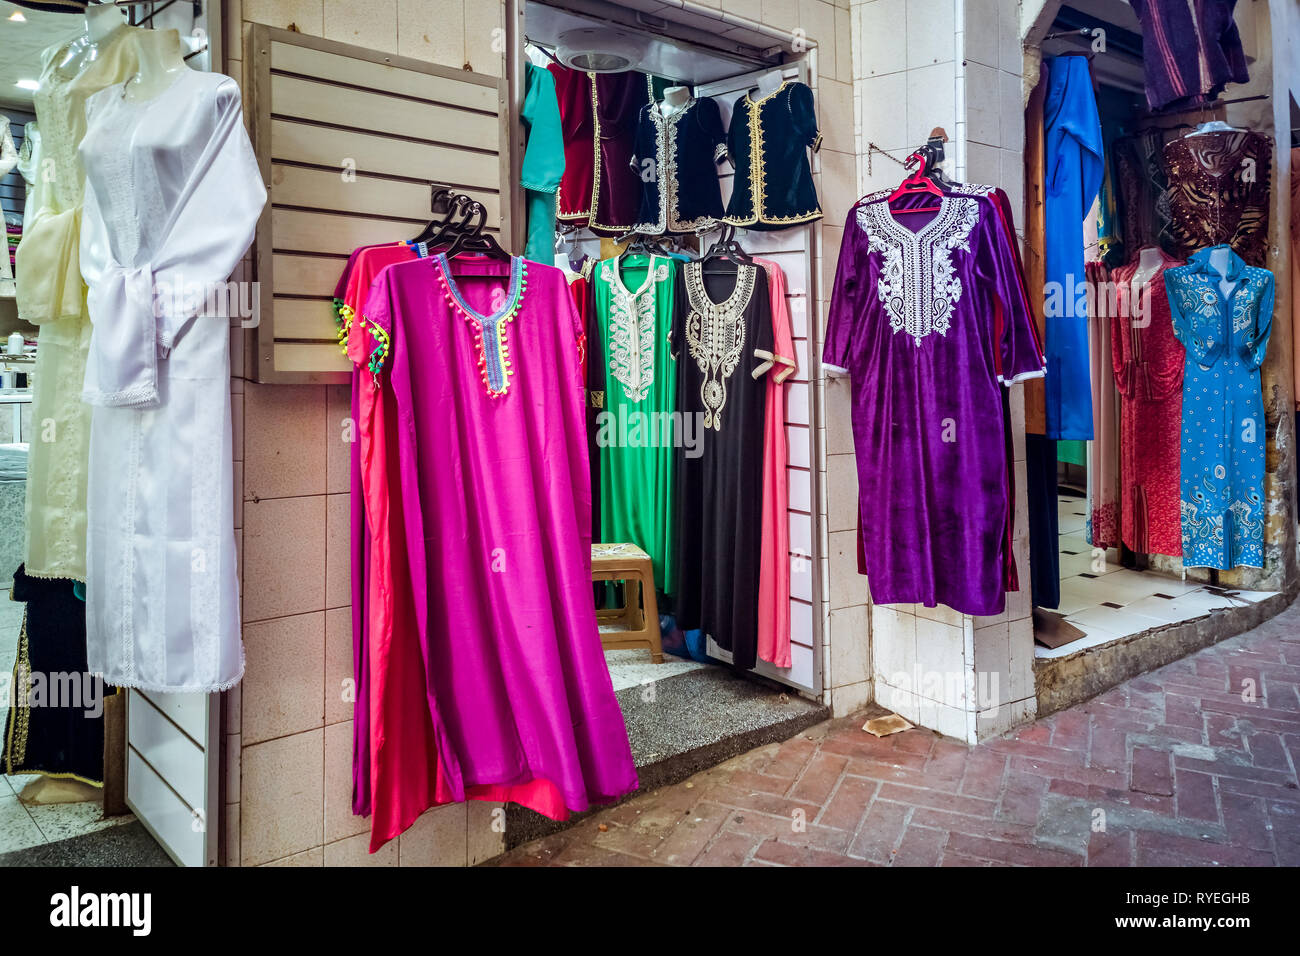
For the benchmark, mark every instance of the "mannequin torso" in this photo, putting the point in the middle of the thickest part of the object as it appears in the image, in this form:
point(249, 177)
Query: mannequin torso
point(675, 97)
point(161, 62)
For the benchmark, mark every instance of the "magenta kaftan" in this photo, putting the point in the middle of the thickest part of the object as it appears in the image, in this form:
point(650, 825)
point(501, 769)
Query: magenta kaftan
point(486, 369)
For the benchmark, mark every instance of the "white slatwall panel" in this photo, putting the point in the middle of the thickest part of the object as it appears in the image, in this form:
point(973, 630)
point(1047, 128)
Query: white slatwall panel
point(349, 140)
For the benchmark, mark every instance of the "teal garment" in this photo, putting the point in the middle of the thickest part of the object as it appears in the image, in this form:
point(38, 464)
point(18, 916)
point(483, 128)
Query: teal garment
point(1072, 453)
point(543, 165)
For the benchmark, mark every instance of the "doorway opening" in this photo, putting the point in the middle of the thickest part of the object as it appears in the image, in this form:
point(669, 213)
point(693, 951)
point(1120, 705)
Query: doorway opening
point(1109, 513)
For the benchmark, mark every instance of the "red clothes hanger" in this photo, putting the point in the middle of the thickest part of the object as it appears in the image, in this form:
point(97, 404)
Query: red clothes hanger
point(923, 180)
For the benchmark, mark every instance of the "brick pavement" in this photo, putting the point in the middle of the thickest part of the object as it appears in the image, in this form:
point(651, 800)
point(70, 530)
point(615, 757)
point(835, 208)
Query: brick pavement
point(1178, 767)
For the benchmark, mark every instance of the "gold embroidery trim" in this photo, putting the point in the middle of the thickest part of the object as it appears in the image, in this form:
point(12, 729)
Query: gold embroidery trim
point(20, 715)
point(758, 174)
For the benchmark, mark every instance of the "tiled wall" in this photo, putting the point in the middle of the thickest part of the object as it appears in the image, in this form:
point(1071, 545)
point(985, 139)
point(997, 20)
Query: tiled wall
point(955, 64)
point(287, 749)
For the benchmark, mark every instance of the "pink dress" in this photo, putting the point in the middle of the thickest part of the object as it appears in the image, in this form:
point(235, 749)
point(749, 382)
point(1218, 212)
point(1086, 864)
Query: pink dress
point(488, 424)
point(774, 565)
point(399, 764)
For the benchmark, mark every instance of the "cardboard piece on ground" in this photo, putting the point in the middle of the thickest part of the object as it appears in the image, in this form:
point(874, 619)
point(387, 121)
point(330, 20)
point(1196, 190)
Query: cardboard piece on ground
point(1053, 630)
point(883, 726)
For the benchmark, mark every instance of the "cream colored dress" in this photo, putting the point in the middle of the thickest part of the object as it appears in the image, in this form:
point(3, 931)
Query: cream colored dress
point(8, 160)
point(51, 294)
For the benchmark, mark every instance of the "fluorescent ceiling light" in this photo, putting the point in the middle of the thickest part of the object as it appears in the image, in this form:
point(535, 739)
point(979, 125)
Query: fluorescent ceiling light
point(28, 84)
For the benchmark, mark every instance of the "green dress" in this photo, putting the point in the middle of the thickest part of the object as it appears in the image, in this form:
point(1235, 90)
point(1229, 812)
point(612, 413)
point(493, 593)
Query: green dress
point(635, 297)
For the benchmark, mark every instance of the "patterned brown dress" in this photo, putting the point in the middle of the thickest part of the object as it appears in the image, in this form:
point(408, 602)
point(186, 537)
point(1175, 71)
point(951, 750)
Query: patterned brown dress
point(1219, 191)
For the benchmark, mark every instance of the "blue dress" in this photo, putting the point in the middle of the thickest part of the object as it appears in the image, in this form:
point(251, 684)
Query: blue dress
point(1075, 164)
point(1222, 496)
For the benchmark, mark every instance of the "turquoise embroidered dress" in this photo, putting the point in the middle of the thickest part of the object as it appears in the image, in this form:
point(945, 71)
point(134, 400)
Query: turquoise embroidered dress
point(1222, 498)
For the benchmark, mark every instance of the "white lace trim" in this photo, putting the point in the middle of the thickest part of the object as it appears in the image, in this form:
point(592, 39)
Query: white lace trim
point(715, 336)
point(917, 284)
point(632, 329)
point(670, 215)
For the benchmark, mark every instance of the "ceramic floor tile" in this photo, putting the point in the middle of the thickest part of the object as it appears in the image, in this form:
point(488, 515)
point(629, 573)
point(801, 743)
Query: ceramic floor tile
point(1093, 637)
point(1121, 621)
point(1078, 593)
point(17, 829)
point(1072, 526)
point(1125, 586)
point(1186, 606)
point(1075, 542)
point(1082, 563)
point(1253, 597)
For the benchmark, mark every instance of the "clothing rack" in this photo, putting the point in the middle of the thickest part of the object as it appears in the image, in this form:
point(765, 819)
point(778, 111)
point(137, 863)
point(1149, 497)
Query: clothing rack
point(1205, 107)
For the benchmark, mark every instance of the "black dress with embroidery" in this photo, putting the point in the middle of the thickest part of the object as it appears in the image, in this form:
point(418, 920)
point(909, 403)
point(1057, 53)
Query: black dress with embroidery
point(676, 157)
point(56, 717)
point(768, 142)
point(723, 345)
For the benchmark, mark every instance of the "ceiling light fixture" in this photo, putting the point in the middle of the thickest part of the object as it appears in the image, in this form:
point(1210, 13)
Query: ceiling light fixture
point(600, 49)
point(28, 85)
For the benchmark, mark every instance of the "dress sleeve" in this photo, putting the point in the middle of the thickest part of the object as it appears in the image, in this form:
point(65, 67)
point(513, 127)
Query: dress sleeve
point(218, 211)
point(733, 130)
point(643, 146)
point(376, 324)
point(847, 299)
point(543, 165)
point(1257, 340)
point(1119, 340)
point(764, 338)
point(783, 353)
point(1204, 351)
point(681, 312)
point(1020, 354)
point(803, 116)
point(710, 120)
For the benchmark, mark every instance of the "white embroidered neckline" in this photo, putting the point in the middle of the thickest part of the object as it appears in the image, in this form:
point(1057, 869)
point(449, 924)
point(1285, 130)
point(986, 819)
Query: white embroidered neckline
point(917, 284)
point(632, 328)
point(715, 335)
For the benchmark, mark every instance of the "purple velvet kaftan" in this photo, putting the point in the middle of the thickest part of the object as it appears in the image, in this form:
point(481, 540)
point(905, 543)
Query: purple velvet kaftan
point(927, 318)
point(486, 369)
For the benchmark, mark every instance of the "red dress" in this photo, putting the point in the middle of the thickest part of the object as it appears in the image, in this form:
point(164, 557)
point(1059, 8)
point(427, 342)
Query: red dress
point(1148, 362)
point(598, 114)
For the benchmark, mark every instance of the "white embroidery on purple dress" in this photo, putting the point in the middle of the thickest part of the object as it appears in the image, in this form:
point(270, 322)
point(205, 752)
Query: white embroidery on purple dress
point(917, 284)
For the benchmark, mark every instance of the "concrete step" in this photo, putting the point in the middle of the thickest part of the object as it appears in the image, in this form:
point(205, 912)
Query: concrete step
point(685, 723)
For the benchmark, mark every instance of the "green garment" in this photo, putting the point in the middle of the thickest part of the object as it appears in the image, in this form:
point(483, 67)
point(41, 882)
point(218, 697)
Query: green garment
point(636, 298)
point(543, 165)
point(1072, 452)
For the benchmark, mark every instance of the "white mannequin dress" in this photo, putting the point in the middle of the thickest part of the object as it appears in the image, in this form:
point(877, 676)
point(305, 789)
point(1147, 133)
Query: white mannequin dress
point(173, 194)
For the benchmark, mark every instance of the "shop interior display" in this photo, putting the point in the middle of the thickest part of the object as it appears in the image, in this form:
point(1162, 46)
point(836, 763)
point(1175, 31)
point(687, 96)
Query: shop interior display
point(622, 375)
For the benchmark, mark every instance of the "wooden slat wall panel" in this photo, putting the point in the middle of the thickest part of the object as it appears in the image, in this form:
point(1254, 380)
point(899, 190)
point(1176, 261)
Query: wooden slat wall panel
point(307, 319)
point(379, 113)
point(291, 55)
point(365, 195)
point(349, 140)
point(373, 153)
